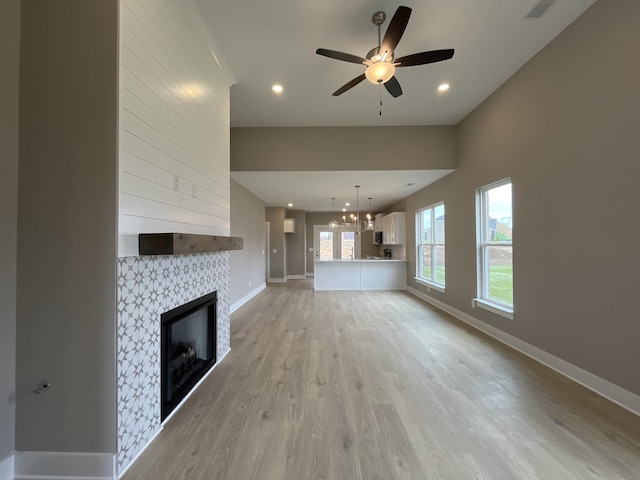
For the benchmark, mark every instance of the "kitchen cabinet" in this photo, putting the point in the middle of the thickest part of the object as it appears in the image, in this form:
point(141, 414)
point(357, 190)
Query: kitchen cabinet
point(360, 275)
point(289, 225)
point(377, 222)
point(393, 229)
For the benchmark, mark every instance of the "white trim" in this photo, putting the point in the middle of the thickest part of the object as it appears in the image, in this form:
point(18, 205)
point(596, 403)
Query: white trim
point(267, 250)
point(429, 285)
point(624, 398)
point(246, 298)
point(7, 468)
point(493, 308)
point(309, 274)
point(296, 277)
point(65, 465)
point(276, 280)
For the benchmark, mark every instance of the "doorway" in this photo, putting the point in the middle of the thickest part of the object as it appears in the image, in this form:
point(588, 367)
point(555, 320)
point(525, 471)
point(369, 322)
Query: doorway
point(341, 244)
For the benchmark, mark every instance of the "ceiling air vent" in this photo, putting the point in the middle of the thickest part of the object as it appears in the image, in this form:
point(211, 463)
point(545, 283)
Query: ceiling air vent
point(540, 8)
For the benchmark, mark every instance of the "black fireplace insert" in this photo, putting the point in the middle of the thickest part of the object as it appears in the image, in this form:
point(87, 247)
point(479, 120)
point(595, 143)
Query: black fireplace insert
point(188, 348)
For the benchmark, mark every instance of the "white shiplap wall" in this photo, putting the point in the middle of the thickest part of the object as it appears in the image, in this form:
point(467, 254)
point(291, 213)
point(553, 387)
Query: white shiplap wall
point(174, 125)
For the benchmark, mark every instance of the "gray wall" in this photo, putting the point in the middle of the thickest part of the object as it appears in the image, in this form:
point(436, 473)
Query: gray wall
point(295, 243)
point(340, 148)
point(67, 226)
point(9, 59)
point(247, 221)
point(275, 215)
point(367, 247)
point(565, 129)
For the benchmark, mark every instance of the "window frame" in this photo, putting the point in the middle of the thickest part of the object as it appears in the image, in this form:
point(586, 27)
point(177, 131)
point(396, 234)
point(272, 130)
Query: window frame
point(433, 244)
point(482, 245)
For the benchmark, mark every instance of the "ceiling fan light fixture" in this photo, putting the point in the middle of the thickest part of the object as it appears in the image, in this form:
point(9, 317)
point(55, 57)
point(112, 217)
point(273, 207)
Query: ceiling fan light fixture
point(380, 72)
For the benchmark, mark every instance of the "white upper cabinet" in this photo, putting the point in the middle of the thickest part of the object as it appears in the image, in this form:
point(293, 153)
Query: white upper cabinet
point(393, 229)
point(289, 225)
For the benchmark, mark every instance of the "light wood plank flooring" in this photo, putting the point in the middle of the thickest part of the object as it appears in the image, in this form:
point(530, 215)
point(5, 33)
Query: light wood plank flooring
point(380, 386)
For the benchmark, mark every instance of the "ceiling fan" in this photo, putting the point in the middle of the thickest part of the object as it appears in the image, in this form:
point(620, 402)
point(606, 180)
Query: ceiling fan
point(380, 61)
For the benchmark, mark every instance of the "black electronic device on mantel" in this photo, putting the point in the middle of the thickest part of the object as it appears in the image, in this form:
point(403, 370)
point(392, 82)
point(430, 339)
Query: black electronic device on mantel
point(387, 252)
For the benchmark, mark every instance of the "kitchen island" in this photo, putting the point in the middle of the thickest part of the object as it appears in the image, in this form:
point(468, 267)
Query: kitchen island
point(366, 274)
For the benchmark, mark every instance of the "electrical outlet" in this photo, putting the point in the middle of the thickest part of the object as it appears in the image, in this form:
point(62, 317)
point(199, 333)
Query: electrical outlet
point(275, 250)
point(176, 182)
point(249, 282)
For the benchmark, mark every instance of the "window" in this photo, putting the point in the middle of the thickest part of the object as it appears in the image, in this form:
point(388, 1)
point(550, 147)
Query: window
point(430, 255)
point(495, 248)
point(348, 245)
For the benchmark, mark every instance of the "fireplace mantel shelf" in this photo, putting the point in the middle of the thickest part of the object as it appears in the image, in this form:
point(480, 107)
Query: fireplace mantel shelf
point(185, 243)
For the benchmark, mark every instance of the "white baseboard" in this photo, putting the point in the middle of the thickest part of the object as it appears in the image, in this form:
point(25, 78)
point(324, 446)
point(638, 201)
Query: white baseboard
point(276, 280)
point(296, 277)
point(247, 297)
point(7, 468)
point(624, 398)
point(64, 465)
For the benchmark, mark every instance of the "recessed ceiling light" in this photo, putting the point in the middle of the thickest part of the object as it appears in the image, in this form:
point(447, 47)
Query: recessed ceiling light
point(443, 87)
point(289, 204)
point(347, 204)
point(277, 88)
point(344, 209)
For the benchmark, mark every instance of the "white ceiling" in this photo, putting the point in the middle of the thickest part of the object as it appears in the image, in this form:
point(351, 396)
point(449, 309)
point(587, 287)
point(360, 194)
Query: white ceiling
point(267, 42)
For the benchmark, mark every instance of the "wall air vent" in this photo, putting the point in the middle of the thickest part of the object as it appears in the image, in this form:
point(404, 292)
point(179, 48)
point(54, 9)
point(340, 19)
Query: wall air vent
point(540, 8)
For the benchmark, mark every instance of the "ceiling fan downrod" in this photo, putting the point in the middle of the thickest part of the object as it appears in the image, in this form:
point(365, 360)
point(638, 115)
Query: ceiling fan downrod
point(378, 19)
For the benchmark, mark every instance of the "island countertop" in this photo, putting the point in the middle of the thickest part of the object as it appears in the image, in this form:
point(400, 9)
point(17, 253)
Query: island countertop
point(377, 260)
point(360, 274)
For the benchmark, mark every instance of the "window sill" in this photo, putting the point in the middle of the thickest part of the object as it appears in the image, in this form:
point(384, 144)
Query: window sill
point(429, 285)
point(493, 307)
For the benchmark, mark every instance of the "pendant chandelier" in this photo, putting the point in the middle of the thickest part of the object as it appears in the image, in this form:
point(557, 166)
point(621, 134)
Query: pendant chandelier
point(356, 225)
point(369, 222)
point(333, 224)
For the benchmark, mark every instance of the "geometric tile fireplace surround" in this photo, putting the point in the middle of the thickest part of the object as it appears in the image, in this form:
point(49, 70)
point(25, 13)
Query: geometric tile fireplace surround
point(147, 287)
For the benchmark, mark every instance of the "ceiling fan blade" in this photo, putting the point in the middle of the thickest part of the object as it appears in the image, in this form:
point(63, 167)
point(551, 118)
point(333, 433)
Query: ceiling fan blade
point(349, 85)
point(393, 87)
point(395, 30)
point(345, 57)
point(423, 58)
